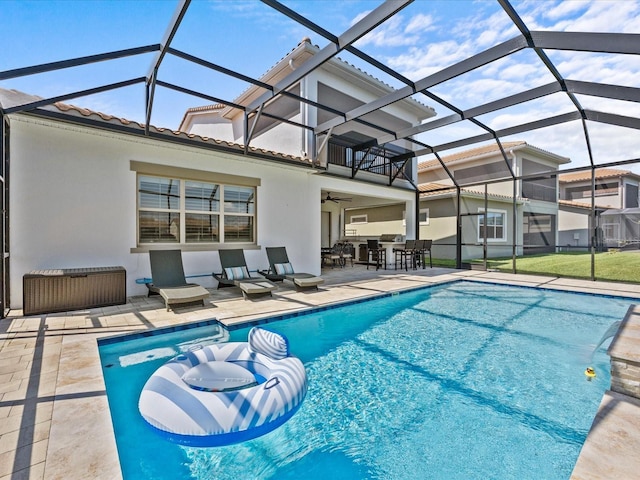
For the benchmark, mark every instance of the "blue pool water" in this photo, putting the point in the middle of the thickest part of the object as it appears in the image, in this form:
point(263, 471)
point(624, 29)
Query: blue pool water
point(459, 381)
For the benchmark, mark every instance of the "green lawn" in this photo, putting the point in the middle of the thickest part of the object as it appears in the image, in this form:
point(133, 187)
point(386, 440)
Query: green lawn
point(612, 266)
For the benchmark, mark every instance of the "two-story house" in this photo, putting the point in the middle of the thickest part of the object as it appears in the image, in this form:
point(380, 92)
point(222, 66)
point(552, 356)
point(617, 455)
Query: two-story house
point(345, 153)
point(488, 215)
point(616, 202)
point(89, 189)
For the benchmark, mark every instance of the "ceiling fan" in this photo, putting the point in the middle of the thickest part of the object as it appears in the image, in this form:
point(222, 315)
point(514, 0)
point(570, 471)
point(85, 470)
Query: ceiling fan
point(329, 198)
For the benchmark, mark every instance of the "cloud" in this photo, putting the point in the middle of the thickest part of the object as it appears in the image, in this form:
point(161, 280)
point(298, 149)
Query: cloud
point(396, 32)
point(420, 62)
point(621, 17)
point(582, 15)
point(564, 9)
point(420, 23)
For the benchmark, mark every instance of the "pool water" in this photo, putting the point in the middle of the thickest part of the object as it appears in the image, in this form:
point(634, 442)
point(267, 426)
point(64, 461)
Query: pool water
point(460, 381)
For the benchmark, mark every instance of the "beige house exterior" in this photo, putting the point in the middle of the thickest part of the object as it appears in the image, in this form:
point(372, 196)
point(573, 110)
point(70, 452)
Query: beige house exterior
point(342, 87)
point(534, 212)
point(616, 203)
point(530, 205)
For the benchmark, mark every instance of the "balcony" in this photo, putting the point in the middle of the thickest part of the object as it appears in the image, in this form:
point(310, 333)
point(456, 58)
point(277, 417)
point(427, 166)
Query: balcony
point(376, 160)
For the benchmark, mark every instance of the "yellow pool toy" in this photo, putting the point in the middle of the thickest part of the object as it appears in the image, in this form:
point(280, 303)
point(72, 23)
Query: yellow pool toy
point(590, 373)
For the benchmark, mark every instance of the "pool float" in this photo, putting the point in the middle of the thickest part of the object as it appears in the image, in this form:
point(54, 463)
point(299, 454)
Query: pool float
point(590, 373)
point(225, 393)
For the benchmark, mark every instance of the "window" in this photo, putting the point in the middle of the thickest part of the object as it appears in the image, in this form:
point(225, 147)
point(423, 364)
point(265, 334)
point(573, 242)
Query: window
point(359, 219)
point(611, 231)
point(630, 196)
point(173, 210)
point(494, 222)
point(424, 216)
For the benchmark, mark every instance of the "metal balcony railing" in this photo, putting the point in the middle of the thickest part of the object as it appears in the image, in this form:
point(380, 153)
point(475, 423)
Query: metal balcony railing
point(374, 160)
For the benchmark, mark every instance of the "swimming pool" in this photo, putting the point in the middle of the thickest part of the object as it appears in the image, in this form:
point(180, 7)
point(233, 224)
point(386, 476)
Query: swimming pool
point(459, 381)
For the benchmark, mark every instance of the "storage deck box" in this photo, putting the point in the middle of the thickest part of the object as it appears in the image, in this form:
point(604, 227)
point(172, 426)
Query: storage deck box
point(61, 290)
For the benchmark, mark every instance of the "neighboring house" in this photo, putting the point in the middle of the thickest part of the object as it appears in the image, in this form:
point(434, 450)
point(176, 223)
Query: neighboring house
point(535, 201)
point(88, 189)
point(345, 153)
point(616, 203)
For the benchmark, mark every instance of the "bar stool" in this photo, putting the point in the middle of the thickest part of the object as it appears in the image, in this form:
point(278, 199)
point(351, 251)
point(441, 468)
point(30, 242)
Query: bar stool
point(376, 253)
point(422, 247)
point(403, 255)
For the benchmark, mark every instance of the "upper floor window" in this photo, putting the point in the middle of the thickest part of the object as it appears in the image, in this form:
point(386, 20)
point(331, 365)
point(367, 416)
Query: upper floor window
point(183, 211)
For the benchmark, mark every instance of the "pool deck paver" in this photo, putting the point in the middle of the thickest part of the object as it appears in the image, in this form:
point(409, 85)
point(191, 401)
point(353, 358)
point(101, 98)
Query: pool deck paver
point(54, 415)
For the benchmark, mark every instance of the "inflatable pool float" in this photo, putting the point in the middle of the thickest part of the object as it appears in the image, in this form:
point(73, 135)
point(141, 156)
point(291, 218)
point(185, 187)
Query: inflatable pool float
point(225, 393)
point(590, 373)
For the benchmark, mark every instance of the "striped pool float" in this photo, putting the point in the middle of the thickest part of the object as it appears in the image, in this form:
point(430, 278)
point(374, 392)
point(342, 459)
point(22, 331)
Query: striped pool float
point(257, 388)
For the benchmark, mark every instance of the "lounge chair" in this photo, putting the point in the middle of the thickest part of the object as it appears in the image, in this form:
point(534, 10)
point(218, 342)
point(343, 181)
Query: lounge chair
point(280, 269)
point(168, 280)
point(236, 273)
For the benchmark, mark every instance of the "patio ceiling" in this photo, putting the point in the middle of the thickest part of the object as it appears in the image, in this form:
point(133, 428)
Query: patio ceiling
point(539, 45)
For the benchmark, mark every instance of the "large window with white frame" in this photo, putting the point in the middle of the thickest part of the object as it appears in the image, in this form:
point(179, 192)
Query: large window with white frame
point(184, 211)
point(494, 223)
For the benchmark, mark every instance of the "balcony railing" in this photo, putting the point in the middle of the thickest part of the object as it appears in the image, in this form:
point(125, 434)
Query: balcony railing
point(374, 160)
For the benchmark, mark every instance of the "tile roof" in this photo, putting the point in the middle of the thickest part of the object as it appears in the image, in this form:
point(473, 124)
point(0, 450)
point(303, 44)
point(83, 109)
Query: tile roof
point(85, 112)
point(571, 203)
point(14, 98)
point(485, 150)
point(305, 43)
point(474, 152)
point(428, 187)
point(433, 189)
point(586, 175)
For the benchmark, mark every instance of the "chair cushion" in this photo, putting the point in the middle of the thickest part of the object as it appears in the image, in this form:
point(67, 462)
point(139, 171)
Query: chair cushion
point(283, 268)
point(185, 294)
point(256, 287)
point(237, 273)
point(306, 282)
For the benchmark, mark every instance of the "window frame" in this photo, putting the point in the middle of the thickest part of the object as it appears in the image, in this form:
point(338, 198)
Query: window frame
point(185, 176)
point(363, 215)
point(426, 211)
point(481, 214)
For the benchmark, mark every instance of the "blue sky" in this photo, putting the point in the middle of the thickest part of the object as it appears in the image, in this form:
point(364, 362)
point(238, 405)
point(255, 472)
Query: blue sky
point(249, 37)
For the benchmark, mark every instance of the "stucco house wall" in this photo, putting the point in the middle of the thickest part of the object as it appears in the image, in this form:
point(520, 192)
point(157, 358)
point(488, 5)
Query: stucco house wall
point(573, 229)
point(381, 220)
point(442, 227)
point(73, 202)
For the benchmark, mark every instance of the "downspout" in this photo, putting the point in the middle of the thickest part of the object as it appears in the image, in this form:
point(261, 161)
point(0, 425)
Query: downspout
point(458, 230)
point(416, 224)
point(303, 113)
point(592, 221)
point(486, 223)
point(514, 215)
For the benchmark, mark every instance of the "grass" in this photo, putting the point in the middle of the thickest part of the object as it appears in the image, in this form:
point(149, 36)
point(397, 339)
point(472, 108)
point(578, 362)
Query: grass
point(612, 266)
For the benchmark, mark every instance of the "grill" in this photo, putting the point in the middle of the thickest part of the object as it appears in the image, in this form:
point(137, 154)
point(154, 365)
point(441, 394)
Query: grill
point(48, 291)
point(388, 237)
